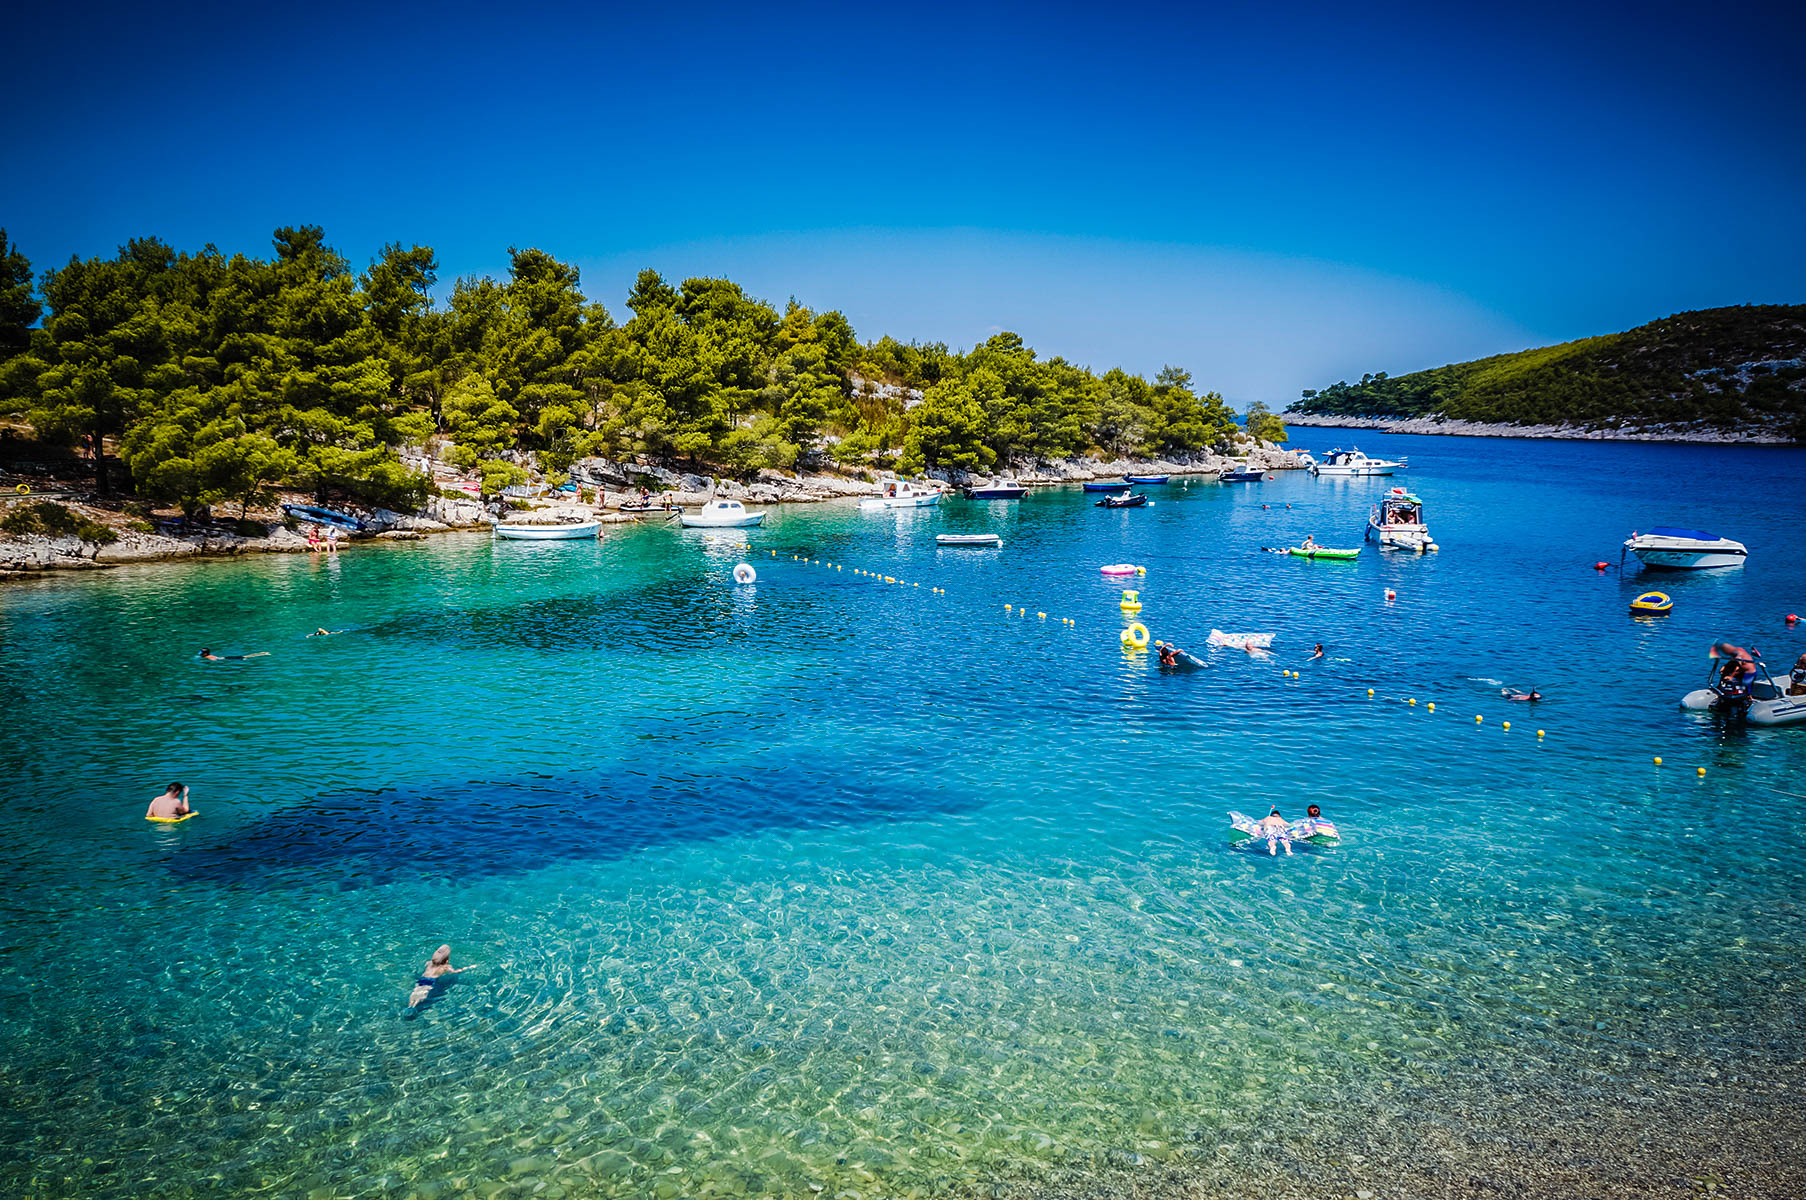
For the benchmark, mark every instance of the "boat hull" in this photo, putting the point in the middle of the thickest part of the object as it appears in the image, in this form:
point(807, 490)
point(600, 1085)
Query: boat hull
point(1353, 472)
point(322, 516)
point(1688, 560)
point(1147, 479)
point(998, 493)
point(548, 533)
point(1241, 477)
point(968, 539)
point(1106, 487)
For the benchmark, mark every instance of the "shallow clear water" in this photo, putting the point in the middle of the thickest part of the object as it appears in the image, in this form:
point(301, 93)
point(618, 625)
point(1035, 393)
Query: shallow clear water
point(827, 881)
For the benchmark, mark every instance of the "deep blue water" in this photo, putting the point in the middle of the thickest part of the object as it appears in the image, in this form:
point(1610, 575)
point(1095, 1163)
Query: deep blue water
point(830, 881)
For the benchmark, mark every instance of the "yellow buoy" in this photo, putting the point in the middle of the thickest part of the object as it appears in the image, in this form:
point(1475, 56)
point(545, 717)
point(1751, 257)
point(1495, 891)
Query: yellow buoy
point(1539, 733)
point(1042, 615)
point(1477, 720)
point(1658, 760)
point(1432, 706)
point(1006, 608)
point(1370, 691)
point(1508, 724)
point(1702, 772)
point(1412, 702)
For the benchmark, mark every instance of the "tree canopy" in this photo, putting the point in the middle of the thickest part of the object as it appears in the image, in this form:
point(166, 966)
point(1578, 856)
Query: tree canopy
point(214, 379)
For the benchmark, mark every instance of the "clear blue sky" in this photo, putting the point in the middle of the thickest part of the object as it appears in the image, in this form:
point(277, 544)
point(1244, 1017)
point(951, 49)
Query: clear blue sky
point(1273, 196)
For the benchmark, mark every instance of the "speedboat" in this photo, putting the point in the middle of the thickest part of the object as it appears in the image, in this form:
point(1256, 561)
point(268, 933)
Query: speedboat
point(997, 489)
point(1396, 523)
point(1099, 486)
point(1123, 501)
point(901, 493)
point(968, 539)
point(322, 516)
point(1147, 479)
point(548, 533)
point(1666, 548)
point(1242, 475)
point(1353, 462)
point(1753, 693)
point(721, 514)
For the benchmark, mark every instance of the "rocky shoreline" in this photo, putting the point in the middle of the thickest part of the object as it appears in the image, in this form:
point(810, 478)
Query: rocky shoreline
point(614, 483)
point(1698, 434)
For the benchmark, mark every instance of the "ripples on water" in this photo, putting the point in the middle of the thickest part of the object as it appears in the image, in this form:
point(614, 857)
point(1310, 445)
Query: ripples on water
point(827, 881)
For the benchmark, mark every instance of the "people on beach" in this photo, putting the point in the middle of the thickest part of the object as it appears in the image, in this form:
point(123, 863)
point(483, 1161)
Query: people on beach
point(1532, 694)
point(438, 970)
point(210, 656)
point(332, 539)
point(313, 537)
point(171, 804)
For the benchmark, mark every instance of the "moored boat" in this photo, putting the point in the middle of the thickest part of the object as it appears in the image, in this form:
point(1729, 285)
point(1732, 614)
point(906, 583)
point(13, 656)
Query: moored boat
point(1353, 462)
point(968, 539)
point(1130, 501)
point(547, 533)
point(997, 489)
point(1666, 548)
point(721, 514)
point(1396, 523)
point(322, 516)
point(1147, 479)
point(1242, 475)
point(901, 493)
point(1102, 486)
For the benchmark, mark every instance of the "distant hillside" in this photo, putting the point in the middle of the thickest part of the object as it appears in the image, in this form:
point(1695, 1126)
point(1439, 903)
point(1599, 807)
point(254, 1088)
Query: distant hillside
point(1729, 370)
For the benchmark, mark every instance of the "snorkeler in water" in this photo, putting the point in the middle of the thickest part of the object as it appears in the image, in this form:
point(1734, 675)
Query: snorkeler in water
point(210, 656)
point(1532, 694)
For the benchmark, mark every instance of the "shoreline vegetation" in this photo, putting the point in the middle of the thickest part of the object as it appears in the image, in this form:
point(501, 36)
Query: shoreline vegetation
point(1716, 375)
point(201, 384)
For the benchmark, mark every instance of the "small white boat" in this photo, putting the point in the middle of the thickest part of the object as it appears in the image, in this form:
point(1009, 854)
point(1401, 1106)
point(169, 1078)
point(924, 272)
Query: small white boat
point(901, 493)
point(1666, 548)
point(721, 514)
point(968, 539)
point(1396, 523)
point(1353, 462)
point(1753, 694)
point(548, 533)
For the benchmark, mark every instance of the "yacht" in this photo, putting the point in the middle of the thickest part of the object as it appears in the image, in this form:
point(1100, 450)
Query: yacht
point(1666, 548)
point(1396, 523)
point(997, 489)
point(1353, 462)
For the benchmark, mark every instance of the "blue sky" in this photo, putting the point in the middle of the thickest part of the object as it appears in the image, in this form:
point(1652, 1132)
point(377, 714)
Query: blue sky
point(1273, 196)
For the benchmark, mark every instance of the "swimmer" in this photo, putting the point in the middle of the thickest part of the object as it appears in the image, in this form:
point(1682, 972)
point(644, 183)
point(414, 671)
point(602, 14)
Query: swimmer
point(1316, 652)
point(1277, 830)
point(210, 656)
point(1532, 694)
point(327, 632)
point(171, 804)
point(1167, 657)
point(433, 974)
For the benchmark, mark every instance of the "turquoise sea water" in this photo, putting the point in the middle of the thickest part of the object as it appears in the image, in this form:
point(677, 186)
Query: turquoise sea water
point(830, 882)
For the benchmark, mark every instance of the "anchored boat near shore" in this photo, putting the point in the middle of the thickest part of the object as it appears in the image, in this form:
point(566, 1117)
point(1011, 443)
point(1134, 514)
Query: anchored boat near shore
point(1666, 548)
point(547, 533)
point(1396, 523)
point(721, 514)
point(1354, 463)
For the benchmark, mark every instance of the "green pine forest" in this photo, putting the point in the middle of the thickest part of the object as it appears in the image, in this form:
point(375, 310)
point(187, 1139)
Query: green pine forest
point(217, 378)
point(1729, 368)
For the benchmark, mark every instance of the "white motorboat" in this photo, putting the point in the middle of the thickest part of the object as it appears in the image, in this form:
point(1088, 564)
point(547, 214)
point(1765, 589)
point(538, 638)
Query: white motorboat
point(901, 493)
point(1353, 462)
point(721, 514)
point(968, 539)
point(1396, 523)
point(547, 533)
point(1666, 548)
point(1741, 685)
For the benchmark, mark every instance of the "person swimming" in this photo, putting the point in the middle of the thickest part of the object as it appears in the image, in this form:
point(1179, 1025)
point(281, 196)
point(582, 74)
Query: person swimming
point(438, 970)
point(171, 804)
point(1316, 652)
point(1277, 830)
point(1167, 657)
point(210, 656)
point(1532, 694)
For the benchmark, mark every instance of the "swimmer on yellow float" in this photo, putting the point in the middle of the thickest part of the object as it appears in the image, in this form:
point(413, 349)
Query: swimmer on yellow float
point(171, 806)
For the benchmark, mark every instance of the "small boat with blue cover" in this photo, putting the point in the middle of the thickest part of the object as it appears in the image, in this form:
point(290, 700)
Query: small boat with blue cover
point(322, 516)
point(1147, 479)
point(1096, 486)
